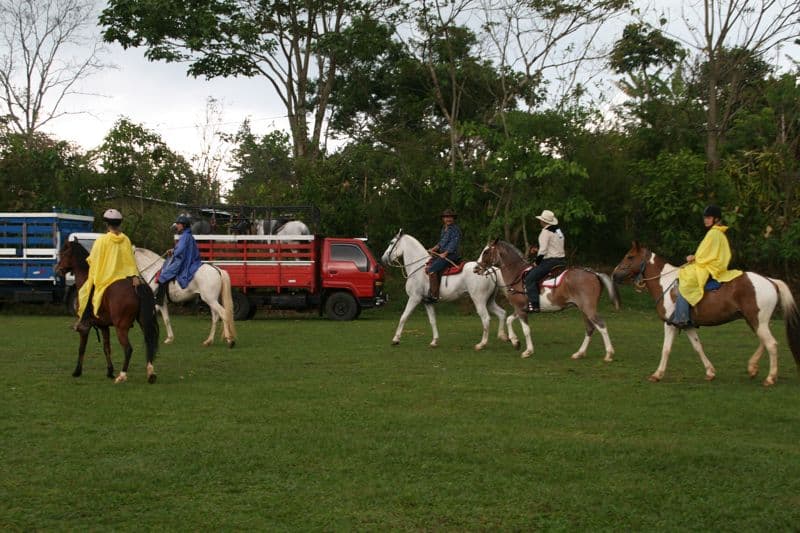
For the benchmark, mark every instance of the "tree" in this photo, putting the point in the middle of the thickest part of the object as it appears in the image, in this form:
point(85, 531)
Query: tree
point(137, 162)
point(38, 70)
point(288, 43)
point(727, 34)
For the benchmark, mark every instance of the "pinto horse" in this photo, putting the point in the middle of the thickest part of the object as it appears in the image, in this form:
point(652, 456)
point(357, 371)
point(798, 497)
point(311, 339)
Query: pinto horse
point(211, 283)
point(124, 301)
point(406, 252)
point(750, 296)
point(579, 287)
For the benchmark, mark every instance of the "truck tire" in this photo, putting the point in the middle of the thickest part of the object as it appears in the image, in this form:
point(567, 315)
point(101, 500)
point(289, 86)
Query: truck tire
point(241, 305)
point(341, 306)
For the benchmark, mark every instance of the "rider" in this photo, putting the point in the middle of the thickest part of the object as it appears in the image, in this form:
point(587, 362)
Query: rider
point(445, 254)
point(111, 259)
point(184, 259)
point(710, 260)
point(549, 254)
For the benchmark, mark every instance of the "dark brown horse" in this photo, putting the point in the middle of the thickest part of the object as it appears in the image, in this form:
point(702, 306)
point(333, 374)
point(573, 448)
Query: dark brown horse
point(124, 301)
point(579, 287)
point(750, 296)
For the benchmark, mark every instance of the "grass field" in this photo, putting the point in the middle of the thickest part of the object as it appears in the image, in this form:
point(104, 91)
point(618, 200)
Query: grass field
point(311, 425)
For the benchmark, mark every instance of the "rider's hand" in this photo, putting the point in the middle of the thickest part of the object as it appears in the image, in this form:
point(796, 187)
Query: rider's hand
point(169, 253)
point(689, 258)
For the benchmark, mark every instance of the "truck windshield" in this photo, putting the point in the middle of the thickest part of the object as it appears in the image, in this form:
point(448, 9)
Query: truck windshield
point(348, 252)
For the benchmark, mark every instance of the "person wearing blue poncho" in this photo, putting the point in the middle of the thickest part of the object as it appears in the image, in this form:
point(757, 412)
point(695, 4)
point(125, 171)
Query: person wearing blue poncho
point(183, 260)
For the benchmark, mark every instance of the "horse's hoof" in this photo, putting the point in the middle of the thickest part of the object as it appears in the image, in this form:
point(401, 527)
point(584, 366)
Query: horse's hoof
point(608, 359)
point(122, 378)
point(207, 343)
point(515, 344)
point(77, 374)
point(231, 344)
point(479, 347)
point(151, 379)
point(526, 354)
point(710, 377)
point(654, 379)
point(577, 355)
point(769, 382)
point(752, 372)
point(395, 342)
point(169, 341)
point(433, 344)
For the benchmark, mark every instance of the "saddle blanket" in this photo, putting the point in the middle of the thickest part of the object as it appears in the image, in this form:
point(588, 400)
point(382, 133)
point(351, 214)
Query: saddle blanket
point(449, 271)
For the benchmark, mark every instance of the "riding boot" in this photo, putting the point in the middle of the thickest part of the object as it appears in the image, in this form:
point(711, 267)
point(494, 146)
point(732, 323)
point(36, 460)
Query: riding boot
point(161, 292)
point(533, 301)
point(433, 292)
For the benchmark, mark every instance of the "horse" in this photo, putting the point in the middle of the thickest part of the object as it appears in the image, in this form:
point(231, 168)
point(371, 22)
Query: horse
point(280, 226)
point(576, 286)
point(124, 301)
point(481, 289)
point(211, 283)
point(750, 296)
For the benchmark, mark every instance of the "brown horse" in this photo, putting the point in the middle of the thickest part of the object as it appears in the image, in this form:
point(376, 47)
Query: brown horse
point(579, 287)
point(750, 296)
point(124, 301)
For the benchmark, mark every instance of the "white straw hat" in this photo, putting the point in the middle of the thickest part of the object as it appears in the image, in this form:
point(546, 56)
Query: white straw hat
point(548, 218)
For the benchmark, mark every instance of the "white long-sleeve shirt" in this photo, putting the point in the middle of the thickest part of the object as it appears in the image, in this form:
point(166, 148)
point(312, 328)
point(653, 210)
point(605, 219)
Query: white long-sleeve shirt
point(551, 243)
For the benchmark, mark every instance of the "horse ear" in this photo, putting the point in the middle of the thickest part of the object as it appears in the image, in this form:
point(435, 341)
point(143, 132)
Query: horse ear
point(635, 245)
point(495, 241)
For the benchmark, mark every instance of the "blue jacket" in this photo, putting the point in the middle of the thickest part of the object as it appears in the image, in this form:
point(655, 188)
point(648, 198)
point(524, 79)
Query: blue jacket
point(450, 240)
point(184, 262)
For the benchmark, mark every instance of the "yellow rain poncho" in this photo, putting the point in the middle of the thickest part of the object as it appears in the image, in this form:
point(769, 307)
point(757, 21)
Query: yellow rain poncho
point(710, 259)
point(111, 259)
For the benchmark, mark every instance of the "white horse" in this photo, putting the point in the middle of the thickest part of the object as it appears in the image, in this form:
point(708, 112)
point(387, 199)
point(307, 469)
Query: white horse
point(481, 289)
point(211, 283)
point(275, 227)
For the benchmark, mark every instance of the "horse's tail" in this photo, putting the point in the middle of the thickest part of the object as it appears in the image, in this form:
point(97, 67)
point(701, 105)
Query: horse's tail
point(791, 316)
point(227, 302)
point(611, 287)
point(147, 319)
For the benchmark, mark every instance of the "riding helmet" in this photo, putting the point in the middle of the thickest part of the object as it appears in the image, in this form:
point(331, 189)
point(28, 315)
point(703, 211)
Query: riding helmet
point(712, 211)
point(183, 219)
point(113, 217)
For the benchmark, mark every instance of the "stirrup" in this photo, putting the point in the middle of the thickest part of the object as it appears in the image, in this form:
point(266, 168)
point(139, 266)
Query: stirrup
point(530, 308)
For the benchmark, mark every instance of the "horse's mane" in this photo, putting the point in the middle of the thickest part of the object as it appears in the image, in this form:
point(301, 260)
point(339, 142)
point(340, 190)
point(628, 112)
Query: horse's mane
point(148, 254)
point(512, 248)
point(80, 254)
point(413, 239)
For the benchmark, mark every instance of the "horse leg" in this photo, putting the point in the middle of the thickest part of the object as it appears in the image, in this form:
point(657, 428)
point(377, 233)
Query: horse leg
point(412, 303)
point(769, 342)
point(589, 327)
point(669, 338)
point(752, 364)
point(512, 335)
point(526, 331)
point(122, 336)
point(107, 352)
point(167, 322)
point(486, 321)
point(432, 319)
point(84, 337)
point(500, 313)
point(216, 314)
point(698, 347)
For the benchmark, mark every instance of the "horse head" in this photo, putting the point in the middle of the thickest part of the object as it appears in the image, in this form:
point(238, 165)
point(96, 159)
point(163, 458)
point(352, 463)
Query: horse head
point(489, 258)
point(72, 258)
point(632, 263)
point(391, 255)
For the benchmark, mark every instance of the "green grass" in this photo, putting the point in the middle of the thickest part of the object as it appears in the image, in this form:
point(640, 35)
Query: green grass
point(310, 424)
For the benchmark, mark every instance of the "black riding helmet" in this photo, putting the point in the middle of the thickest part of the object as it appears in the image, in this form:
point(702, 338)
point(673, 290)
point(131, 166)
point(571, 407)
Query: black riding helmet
point(712, 211)
point(183, 219)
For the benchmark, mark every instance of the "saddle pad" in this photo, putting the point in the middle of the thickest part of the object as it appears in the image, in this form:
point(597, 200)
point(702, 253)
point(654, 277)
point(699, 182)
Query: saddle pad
point(449, 271)
point(551, 283)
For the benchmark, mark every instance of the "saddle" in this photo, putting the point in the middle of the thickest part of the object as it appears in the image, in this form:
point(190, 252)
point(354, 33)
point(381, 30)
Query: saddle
point(553, 279)
point(452, 269)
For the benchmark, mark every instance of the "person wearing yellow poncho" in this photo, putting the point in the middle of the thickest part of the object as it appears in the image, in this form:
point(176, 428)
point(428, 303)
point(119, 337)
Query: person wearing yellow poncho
point(111, 259)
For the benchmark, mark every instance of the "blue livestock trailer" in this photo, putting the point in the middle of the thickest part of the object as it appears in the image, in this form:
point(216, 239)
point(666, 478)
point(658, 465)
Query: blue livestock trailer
point(29, 248)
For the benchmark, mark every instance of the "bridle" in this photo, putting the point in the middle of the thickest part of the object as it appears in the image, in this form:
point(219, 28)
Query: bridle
point(396, 263)
point(497, 264)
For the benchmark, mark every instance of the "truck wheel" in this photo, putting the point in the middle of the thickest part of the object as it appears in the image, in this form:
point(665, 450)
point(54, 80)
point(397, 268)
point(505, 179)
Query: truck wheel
point(241, 306)
point(341, 306)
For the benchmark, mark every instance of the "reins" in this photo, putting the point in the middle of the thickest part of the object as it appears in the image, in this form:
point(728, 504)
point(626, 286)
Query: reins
point(156, 260)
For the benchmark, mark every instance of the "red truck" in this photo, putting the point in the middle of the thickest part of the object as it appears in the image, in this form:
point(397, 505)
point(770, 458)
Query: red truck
point(337, 276)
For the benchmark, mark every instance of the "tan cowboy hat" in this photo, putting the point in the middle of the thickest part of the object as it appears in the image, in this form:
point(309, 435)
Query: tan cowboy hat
point(449, 213)
point(548, 217)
